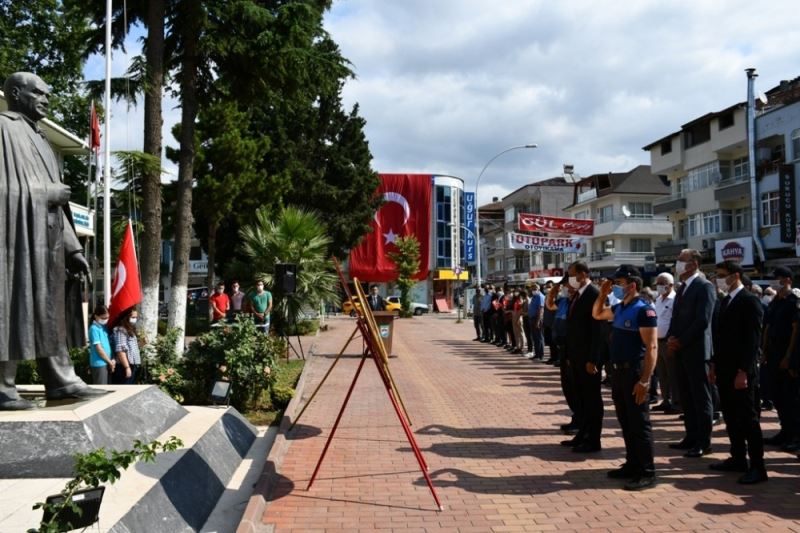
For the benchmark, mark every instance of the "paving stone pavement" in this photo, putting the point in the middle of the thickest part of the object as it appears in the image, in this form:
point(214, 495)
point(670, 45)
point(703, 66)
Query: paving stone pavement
point(487, 422)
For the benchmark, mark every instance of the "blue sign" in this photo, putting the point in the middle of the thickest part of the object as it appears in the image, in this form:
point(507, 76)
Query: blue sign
point(470, 212)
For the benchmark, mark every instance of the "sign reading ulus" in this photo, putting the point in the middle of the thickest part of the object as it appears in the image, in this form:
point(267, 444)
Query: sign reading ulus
point(739, 250)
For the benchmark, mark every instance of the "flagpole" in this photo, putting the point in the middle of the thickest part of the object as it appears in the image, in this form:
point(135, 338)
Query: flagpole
point(107, 167)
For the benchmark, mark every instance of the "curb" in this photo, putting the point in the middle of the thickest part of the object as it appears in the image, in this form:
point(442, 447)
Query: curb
point(251, 521)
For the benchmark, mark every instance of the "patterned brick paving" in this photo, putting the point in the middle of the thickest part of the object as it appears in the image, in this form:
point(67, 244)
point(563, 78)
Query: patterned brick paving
point(487, 422)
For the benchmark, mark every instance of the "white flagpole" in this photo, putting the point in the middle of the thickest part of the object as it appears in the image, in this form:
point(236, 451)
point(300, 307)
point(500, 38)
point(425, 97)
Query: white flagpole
point(107, 167)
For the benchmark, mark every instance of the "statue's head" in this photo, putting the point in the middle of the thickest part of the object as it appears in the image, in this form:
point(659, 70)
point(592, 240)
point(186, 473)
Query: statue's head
point(26, 93)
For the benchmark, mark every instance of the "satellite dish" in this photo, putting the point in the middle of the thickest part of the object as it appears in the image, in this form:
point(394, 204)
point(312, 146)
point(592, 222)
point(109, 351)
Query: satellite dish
point(763, 98)
point(626, 211)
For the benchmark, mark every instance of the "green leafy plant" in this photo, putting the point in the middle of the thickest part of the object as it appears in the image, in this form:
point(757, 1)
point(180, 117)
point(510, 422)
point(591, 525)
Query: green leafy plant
point(406, 260)
point(98, 467)
point(303, 327)
point(282, 395)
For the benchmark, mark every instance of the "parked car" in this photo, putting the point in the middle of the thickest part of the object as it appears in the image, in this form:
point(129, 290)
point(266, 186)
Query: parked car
point(416, 307)
point(347, 307)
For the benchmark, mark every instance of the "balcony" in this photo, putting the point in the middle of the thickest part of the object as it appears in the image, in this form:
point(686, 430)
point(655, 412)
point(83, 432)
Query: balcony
point(669, 204)
point(587, 195)
point(634, 225)
point(732, 189)
point(600, 260)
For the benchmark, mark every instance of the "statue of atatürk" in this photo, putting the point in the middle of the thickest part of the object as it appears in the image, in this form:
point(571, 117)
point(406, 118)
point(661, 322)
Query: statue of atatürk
point(38, 247)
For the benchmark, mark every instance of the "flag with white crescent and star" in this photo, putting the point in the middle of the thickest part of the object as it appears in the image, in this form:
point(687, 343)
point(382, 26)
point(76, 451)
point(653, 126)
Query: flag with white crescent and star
point(406, 210)
point(126, 289)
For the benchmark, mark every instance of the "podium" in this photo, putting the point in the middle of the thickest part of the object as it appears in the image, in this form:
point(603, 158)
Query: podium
point(385, 321)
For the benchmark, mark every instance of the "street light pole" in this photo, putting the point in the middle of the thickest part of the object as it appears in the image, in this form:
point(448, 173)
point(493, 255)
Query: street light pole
point(477, 204)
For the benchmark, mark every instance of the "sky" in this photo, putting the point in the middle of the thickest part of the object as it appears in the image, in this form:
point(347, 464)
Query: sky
point(445, 85)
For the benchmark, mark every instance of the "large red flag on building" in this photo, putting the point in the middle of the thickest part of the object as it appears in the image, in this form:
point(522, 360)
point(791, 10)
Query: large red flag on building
point(406, 211)
point(126, 290)
point(94, 129)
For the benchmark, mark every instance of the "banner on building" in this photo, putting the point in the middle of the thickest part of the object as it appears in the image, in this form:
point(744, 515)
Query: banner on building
point(786, 209)
point(739, 250)
point(545, 224)
point(406, 210)
point(469, 222)
point(533, 243)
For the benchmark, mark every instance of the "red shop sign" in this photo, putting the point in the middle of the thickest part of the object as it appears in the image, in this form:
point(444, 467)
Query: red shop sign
point(572, 226)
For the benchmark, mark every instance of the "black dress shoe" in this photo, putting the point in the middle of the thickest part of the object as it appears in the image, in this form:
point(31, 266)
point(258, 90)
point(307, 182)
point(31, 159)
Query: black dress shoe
point(585, 447)
point(623, 472)
point(673, 410)
point(682, 445)
point(661, 407)
point(729, 465)
point(767, 405)
point(753, 476)
point(20, 404)
point(640, 483)
point(698, 451)
point(571, 442)
point(81, 392)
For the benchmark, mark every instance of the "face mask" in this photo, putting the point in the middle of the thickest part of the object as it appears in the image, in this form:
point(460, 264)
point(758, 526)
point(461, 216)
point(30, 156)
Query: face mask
point(573, 282)
point(102, 321)
point(618, 291)
point(564, 293)
point(766, 300)
point(680, 267)
point(661, 290)
point(133, 321)
point(721, 285)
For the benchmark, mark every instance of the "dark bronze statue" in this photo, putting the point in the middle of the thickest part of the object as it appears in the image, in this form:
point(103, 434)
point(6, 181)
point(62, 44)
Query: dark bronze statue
point(38, 249)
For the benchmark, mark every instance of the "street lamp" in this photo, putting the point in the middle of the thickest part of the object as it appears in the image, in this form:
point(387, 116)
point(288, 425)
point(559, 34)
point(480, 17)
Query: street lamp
point(477, 209)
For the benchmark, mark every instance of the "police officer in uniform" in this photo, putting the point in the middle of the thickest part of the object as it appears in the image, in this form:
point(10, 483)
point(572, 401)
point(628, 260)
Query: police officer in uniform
point(633, 355)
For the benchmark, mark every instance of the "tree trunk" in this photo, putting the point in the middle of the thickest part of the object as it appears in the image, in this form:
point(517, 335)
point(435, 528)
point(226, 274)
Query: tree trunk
point(212, 256)
point(150, 242)
point(190, 29)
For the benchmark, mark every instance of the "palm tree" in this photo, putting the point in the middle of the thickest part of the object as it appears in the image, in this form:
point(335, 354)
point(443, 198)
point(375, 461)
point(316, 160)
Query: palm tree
point(295, 236)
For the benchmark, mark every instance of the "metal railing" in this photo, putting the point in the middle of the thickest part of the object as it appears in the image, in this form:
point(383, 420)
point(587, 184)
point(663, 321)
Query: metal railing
point(621, 257)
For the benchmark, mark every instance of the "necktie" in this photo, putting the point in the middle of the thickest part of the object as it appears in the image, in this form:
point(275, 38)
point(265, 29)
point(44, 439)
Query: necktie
point(724, 305)
point(572, 303)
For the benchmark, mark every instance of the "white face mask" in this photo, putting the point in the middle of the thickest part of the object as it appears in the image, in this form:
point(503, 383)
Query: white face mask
point(766, 300)
point(102, 321)
point(680, 267)
point(721, 285)
point(133, 320)
point(573, 282)
point(661, 290)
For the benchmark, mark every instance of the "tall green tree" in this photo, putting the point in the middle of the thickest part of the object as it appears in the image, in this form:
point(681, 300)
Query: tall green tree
point(407, 261)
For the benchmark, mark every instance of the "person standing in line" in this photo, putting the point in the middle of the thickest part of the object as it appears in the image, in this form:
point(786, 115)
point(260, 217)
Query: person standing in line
point(582, 350)
point(101, 358)
point(516, 320)
point(633, 357)
point(526, 324)
point(237, 300)
point(689, 338)
point(261, 306)
point(508, 312)
point(499, 311)
point(548, 319)
point(219, 303)
point(486, 313)
point(126, 347)
point(535, 316)
point(666, 367)
point(558, 300)
point(477, 321)
point(734, 368)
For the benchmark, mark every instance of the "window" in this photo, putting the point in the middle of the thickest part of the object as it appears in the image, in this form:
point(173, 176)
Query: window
point(608, 246)
point(697, 134)
point(510, 213)
point(700, 177)
point(711, 222)
point(640, 209)
point(582, 215)
point(641, 245)
point(740, 168)
point(666, 147)
point(605, 214)
point(535, 206)
point(692, 222)
point(681, 233)
point(498, 243)
point(796, 144)
point(741, 219)
point(725, 120)
point(769, 209)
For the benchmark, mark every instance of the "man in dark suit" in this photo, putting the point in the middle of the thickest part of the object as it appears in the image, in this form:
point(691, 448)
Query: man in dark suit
point(583, 358)
point(376, 301)
point(689, 338)
point(734, 367)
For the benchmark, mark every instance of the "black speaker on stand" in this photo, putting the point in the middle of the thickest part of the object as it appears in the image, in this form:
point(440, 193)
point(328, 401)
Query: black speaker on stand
point(286, 285)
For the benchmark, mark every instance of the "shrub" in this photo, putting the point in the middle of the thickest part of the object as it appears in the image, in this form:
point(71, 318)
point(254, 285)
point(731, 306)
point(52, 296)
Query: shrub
point(303, 327)
point(281, 396)
point(163, 366)
point(28, 373)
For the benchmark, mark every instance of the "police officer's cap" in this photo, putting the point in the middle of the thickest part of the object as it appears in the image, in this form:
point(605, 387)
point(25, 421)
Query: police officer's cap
point(781, 272)
point(627, 271)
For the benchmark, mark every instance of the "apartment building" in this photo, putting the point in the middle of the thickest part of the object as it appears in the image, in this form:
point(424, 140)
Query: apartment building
point(491, 227)
point(626, 225)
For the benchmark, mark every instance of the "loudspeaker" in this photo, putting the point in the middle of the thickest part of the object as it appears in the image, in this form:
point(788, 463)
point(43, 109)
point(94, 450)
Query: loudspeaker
point(286, 277)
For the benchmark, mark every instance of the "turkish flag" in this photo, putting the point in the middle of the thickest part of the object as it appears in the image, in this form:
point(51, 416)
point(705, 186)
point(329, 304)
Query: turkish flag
point(126, 290)
point(406, 210)
point(94, 129)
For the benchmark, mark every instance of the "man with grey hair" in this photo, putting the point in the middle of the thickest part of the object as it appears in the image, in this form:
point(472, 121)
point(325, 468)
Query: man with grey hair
point(666, 368)
point(38, 245)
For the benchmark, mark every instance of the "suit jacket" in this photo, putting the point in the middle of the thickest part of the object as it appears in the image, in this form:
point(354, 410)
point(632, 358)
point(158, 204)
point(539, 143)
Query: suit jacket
point(691, 319)
point(582, 330)
point(376, 303)
point(737, 335)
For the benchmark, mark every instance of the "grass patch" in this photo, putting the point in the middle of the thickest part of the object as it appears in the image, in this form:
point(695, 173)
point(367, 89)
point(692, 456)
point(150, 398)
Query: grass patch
point(287, 373)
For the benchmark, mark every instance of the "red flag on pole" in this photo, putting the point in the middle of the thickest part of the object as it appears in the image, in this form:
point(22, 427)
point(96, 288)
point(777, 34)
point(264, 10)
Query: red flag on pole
point(406, 211)
point(94, 129)
point(126, 287)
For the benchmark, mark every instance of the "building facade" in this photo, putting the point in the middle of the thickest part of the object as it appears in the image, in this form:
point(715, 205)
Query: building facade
point(626, 227)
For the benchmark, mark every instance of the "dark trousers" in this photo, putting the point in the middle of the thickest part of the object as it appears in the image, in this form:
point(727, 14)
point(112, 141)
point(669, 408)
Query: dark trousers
point(509, 333)
point(487, 326)
point(526, 327)
point(499, 328)
point(741, 410)
point(118, 377)
point(568, 385)
point(784, 396)
point(477, 322)
point(695, 392)
point(634, 419)
point(590, 402)
point(538, 339)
